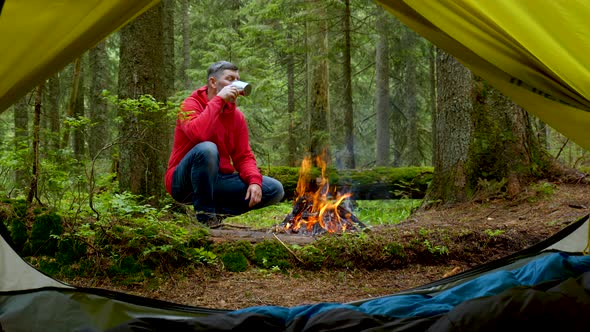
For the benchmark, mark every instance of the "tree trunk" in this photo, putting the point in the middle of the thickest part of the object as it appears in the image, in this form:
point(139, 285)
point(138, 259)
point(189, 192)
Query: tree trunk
point(349, 161)
point(99, 133)
point(21, 137)
point(485, 145)
point(141, 72)
point(72, 102)
point(168, 45)
point(33, 192)
point(318, 59)
point(432, 84)
point(504, 148)
point(52, 113)
point(186, 45)
point(453, 131)
point(78, 113)
point(382, 99)
point(292, 139)
point(543, 133)
point(408, 45)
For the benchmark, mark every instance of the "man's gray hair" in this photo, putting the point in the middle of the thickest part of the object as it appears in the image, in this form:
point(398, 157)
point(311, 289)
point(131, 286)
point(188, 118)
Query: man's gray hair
point(218, 68)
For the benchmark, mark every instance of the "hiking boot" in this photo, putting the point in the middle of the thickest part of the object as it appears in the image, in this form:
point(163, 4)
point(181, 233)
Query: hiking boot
point(209, 219)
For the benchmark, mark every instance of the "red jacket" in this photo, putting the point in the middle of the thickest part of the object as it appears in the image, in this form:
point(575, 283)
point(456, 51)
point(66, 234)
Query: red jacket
point(219, 122)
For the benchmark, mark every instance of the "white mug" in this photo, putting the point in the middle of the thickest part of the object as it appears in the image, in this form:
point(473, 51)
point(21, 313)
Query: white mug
point(244, 87)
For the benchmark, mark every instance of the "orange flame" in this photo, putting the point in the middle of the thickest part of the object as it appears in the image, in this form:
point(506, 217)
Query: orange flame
point(318, 208)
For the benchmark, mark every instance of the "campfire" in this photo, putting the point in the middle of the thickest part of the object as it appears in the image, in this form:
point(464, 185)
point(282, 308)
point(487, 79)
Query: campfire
point(317, 210)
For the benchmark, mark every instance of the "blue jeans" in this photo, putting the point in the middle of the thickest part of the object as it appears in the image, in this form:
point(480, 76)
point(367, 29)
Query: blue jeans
point(197, 180)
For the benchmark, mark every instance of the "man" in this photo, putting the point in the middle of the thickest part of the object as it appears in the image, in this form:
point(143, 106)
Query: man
point(212, 165)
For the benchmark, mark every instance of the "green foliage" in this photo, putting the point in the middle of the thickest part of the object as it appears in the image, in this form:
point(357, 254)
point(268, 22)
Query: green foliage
point(396, 250)
point(140, 107)
point(491, 188)
point(201, 255)
point(436, 249)
point(338, 249)
point(48, 265)
point(241, 246)
point(47, 227)
point(268, 254)
point(312, 256)
point(234, 261)
point(263, 218)
point(494, 233)
point(544, 188)
point(71, 249)
point(17, 223)
point(129, 269)
point(385, 212)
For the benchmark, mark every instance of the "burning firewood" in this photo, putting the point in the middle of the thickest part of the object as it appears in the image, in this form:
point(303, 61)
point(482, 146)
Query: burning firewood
point(313, 213)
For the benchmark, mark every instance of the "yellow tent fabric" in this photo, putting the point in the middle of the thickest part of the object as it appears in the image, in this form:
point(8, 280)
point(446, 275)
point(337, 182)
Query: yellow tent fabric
point(39, 37)
point(534, 51)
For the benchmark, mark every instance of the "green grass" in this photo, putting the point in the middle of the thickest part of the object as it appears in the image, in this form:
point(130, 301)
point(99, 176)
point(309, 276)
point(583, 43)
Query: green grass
point(369, 212)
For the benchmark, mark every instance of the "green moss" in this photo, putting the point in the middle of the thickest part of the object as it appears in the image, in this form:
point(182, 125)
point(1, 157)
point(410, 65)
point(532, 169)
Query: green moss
point(241, 246)
point(49, 266)
point(128, 265)
point(20, 207)
point(312, 257)
point(386, 182)
point(46, 228)
point(270, 254)
point(70, 249)
point(19, 233)
point(395, 250)
point(14, 217)
point(234, 261)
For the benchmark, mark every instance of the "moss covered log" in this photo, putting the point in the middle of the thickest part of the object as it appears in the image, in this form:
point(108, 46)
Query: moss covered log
point(374, 183)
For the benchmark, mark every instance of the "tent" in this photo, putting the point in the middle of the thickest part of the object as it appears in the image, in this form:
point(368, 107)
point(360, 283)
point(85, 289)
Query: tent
point(545, 285)
point(509, 43)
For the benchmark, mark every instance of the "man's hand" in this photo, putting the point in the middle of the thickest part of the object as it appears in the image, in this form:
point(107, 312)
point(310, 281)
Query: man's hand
point(254, 194)
point(229, 93)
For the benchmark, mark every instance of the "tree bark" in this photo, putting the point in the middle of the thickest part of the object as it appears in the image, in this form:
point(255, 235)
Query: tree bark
point(78, 112)
point(141, 72)
point(318, 59)
point(505, 148)
point(292, 139)
point(382, 97)
point(33, 191)
point(452, 129)
point(409, 42)
point(21, 137)
point(432, 85)
point(186, 45)
point(52, 113)
point(485, 146)
point(99, 133)
point(168, 45)
point(72, 102)
point(349, 160)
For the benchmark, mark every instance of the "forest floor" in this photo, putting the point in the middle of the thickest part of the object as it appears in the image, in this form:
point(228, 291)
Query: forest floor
point(522, 221)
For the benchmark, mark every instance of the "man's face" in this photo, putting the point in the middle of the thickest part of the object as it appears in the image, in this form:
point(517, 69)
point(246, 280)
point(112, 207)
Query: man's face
point(226, 78)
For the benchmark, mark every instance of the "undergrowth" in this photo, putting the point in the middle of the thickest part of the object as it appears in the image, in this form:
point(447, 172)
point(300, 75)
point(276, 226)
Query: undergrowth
point(130, 241)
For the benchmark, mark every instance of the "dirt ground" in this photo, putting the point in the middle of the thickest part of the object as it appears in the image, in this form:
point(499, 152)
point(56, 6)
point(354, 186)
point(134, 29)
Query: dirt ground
point(533, 216)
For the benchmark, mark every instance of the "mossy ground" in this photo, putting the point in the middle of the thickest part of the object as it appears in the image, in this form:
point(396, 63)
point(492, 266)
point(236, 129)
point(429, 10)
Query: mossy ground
point(424, 247)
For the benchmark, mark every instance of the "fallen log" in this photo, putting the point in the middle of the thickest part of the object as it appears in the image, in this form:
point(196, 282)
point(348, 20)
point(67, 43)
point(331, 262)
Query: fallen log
point(255, 236)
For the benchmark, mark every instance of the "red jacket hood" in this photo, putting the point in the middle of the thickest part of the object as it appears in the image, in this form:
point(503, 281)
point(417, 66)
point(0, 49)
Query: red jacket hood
point(201, 95)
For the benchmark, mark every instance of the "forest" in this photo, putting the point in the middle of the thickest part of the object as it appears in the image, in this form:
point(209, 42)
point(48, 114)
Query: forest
point(83, 155)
